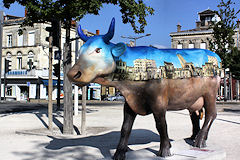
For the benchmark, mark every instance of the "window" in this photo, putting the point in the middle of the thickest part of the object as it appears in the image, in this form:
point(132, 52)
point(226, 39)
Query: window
point(191, 45)
point(31, 38)
point(179, 46)
point(203, 45)
point(20, 40)
point(19, 60)
point(8, 56)
point(9, 40)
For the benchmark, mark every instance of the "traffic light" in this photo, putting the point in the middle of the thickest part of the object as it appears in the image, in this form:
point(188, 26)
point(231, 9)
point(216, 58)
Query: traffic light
point(56, 69)
point(7, 65)
point(54, 31)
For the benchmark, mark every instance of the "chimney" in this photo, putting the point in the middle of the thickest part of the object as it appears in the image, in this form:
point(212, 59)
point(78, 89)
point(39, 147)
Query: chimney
point(97, 32)
point(179, 28)
point(238, 23)
point(198, 25)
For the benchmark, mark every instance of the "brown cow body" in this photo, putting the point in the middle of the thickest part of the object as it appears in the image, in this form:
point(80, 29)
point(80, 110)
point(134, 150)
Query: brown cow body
point(158, 96)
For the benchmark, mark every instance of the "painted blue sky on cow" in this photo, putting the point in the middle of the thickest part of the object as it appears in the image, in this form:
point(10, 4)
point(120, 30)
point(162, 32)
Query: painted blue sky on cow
point(197, 56)
point(99, 55)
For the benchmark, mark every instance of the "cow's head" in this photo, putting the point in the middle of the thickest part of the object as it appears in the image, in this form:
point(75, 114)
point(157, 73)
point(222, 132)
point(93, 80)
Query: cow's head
point(96, 57)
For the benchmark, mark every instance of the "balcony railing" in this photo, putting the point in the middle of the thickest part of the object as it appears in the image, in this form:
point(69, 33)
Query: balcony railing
point(28, 73)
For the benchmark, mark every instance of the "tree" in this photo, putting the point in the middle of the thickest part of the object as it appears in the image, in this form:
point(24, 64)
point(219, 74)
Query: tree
point(223, 31)
point(234, 64)
point(133, 12)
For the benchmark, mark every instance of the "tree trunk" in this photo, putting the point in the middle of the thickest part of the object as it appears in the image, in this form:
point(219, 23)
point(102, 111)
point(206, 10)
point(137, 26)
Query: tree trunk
point(50, 87)
point(67, 85)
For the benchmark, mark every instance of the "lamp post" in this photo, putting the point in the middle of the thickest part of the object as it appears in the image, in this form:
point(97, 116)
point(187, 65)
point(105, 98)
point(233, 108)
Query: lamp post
point(1, 32)
point(135, 38)
point(238, 26)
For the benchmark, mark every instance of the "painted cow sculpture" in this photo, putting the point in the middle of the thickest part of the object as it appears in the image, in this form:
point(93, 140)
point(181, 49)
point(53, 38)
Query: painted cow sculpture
point(152, 81)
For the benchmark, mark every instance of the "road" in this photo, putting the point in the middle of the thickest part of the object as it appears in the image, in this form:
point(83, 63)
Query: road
point(13, 106)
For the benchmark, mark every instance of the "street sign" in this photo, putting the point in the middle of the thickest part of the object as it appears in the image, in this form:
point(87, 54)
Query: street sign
point(28, 84)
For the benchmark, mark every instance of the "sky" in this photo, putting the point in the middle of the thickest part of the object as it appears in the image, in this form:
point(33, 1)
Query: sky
point(168, 13)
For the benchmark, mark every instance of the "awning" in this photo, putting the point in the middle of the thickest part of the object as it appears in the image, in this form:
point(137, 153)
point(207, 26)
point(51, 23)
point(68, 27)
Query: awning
point(45, 82)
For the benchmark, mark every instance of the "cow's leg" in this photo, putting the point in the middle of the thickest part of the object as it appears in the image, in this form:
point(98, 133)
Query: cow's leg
point(210, 115)
point(161, 126)
point(129, 117)
point(195, 124)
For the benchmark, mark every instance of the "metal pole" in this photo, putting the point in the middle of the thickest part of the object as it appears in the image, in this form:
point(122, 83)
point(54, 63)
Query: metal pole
point(1, 32)
point(59, 61)
point(50, 104)
point(231, 86)
point(75, 86)
point(237, 90)
point(5, 83)
point(84, 109)
point(238, 25)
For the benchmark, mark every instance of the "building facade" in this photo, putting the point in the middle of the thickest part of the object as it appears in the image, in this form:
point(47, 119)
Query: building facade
point(28, 54)
point(199, 36)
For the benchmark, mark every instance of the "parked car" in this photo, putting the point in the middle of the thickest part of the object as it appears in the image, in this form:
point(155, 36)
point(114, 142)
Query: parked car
point(220, 98)
point(115, 98)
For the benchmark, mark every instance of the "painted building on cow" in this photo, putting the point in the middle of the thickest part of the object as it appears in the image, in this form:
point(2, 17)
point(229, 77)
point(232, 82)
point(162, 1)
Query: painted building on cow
point(145, 69)
point(28, 53)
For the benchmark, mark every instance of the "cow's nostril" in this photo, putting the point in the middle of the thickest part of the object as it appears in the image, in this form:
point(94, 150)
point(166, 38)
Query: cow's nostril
point(77, 75)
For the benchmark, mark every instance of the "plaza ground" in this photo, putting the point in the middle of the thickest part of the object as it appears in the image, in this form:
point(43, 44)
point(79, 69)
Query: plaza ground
point(24, 135)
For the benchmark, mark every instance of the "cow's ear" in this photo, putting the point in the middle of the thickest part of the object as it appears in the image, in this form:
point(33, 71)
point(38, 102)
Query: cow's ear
point(119, 49)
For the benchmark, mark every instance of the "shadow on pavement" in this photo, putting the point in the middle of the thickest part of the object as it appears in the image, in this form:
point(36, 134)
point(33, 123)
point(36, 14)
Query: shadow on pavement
point(104, 142)
point(41, 113)
point(231, 110)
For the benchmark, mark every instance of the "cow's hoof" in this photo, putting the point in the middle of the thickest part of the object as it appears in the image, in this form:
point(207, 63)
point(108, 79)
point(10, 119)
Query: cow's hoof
point(164, 153)
point(119, 155)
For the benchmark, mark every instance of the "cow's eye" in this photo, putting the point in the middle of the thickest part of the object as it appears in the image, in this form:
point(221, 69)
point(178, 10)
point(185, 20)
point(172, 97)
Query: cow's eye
point(98, 50)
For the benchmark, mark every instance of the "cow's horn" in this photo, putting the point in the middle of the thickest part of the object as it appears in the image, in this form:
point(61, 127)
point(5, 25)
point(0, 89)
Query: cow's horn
point(81, 34)
point(107, 37)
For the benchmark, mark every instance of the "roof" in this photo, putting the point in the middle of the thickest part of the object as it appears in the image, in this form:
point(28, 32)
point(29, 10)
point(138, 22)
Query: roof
point(207, 12)
point(192, 32)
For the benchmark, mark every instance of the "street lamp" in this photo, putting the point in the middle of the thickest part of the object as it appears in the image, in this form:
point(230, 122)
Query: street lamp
point(135, 38)
point(238, 26)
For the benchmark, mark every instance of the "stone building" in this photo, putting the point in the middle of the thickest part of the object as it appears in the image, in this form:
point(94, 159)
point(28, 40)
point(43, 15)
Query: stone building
point(144, 69)
point(198, 37)
point(28, 53)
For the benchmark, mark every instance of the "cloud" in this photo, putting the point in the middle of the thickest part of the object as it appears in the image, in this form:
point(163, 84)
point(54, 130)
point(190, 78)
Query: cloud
point(159, 46)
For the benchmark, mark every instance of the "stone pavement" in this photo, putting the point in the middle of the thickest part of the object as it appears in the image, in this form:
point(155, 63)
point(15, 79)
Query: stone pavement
point(24, 136)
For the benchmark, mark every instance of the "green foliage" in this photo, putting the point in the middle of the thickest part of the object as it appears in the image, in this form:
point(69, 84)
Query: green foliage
point(234, 64)
point(223, 32)
point(133, 12)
